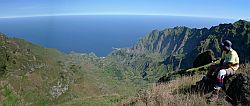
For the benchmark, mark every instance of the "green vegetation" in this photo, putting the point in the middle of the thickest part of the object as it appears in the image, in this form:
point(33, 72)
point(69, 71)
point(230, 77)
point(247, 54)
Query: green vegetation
point(34, 75)
point(180, 45)
point(10, 96)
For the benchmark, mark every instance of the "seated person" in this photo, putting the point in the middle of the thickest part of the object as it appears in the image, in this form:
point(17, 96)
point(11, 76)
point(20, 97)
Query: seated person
point(228, 65)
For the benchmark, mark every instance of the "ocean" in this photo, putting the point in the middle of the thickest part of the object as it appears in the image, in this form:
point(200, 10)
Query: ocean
point(95, 33)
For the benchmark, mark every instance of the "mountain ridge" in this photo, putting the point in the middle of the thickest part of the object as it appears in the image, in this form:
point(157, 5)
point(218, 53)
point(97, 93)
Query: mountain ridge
point(180, 41)
point(54, 78)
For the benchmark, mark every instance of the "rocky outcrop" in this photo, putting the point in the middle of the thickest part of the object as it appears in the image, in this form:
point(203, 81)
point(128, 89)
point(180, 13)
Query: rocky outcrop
point(237, 89)
point(58, 89)
point(203, 59)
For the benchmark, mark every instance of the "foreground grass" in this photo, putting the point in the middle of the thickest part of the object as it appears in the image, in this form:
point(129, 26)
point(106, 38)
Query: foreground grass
point(170, 94)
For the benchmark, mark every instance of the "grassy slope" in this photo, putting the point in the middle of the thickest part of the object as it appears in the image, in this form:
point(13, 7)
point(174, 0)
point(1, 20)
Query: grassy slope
point(32, 70)
point(169, 94)
point(97, 86)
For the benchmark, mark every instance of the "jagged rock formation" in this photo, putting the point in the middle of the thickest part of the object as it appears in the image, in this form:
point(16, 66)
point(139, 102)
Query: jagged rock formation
point(180, 45)
point(51, 77)
point(175, 49)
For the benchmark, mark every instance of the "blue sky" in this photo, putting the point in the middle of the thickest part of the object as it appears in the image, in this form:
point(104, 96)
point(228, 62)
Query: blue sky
point(236, 9)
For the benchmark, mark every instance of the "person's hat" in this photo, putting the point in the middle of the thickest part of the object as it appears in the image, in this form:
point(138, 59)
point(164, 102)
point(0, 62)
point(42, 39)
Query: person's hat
point(227, 44)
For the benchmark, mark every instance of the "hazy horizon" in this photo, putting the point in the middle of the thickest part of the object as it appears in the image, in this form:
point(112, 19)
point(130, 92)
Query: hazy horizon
point(101, 14)
point(192, 8)
point(92, 33)
point(98, 25)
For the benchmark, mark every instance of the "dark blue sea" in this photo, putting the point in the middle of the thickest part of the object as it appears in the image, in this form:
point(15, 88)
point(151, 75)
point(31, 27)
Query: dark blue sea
point(95, 33)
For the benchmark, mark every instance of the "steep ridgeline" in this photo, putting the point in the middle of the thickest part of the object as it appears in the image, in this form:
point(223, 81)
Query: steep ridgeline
point(160, 52)
point(34, 75)
point(180, 45)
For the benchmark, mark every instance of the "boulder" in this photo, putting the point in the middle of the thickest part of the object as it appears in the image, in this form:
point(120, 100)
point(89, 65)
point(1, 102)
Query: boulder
point(203, 59)
point(237, 89)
